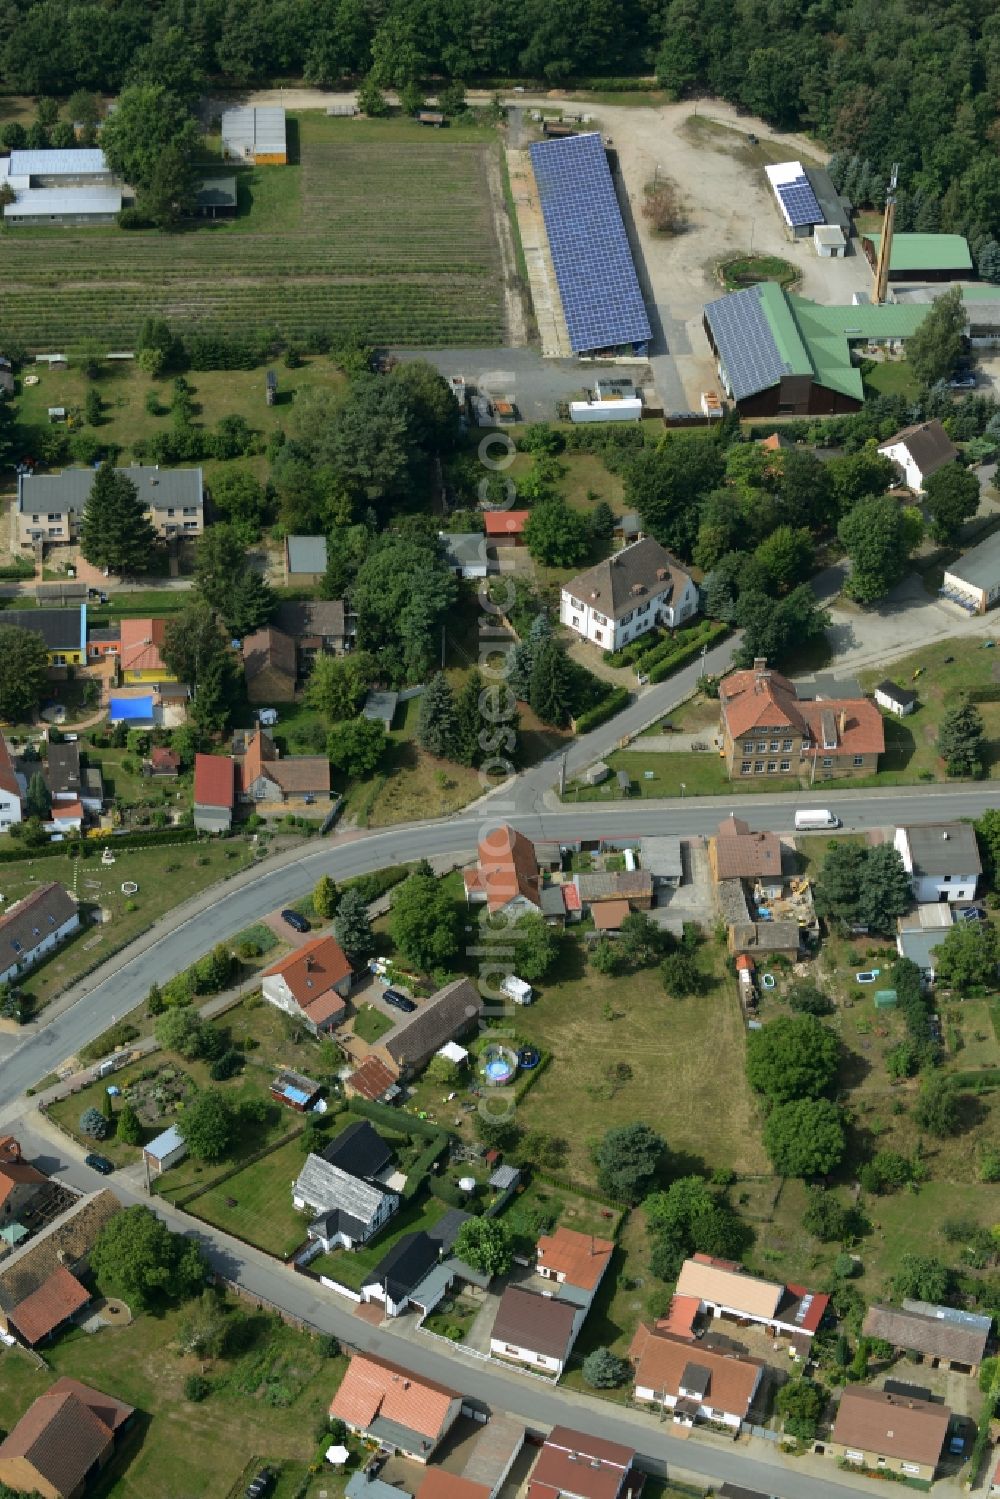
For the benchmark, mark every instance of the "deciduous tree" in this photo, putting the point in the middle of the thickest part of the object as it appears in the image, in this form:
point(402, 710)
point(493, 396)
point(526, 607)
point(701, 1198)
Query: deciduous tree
point(484, 1243)
point(356, 746)
point(324, 897)
point(805, 1137)
point(952, 498)
point(138, 1257)
point(794, 1056)
point(934, 349)
point(424, 922)
point(874, 535)
point(628, 1159)
point(555, 535)
point(208, 1124)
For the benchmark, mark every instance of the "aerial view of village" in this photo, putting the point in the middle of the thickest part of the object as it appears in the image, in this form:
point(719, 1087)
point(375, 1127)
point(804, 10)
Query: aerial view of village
point(499, 750)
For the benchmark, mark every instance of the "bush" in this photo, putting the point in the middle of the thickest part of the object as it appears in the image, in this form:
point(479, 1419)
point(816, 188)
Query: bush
point(196, 1387)
point(592, 718)
point(94, 1124)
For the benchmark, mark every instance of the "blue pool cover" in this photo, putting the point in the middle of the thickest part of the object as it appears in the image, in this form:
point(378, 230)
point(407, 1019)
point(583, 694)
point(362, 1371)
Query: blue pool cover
point(131, 709)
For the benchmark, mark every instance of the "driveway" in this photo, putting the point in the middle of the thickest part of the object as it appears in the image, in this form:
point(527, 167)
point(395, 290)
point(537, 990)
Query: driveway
point(536, 385)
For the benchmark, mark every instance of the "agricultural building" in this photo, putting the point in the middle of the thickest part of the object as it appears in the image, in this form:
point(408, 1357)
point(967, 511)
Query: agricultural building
point(305, 561)
point(216, 197)
point(779, 354)
point(255, 133)
point(72, 187)
point(75, 167)
point(49, 506)
point(598, 286)
point(797, 203)
point(922, 257)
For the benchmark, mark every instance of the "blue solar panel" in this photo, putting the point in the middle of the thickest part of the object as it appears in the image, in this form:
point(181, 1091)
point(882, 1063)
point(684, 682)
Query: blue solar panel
point(800, 201)
point(598, 285)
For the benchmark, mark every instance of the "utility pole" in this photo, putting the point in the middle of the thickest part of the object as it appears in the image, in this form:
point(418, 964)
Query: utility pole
point(885, 243)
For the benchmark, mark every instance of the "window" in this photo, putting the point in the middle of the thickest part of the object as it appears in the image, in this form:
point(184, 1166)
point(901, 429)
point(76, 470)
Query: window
point(601, 619)
point(859, 759)
point(762, 747)
point(34, 517)
point(190, 510)
point(946, 879)
point(775, 746)
point(827, 763)
point(598, 634)
point(745, 768)
point(758, 766)
point(854, 1457)
point(910, 1467)
point(576, 621)
point(772, 765)
point(171, 510)
point(55, 515)
point(190, 525)
point(644, 607)
point(626, 617)
point(786, 745)
point(786, 764)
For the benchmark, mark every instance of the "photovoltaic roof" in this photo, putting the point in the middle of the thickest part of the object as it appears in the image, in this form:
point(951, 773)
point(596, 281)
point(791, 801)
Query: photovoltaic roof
point(756, 349)
point(800, 201)
point(598, 285)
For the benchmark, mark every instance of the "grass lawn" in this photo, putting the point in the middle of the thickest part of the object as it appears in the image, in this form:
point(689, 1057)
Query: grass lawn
point(653, 774)
point(371, 1024)
point(165, 876)
point(748, 270)
point(892, 378)
point(256, 1203)
point(351, 1266)
point(265, 1401)
point(696, 1043)
point(911, 742)
point(586, 473)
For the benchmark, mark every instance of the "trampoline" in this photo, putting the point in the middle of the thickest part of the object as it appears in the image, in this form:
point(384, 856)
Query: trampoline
point(527, 1058)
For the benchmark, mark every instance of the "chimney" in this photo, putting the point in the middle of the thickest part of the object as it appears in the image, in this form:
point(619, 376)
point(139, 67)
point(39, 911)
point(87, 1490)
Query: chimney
point(662, 575)
point(759, 665)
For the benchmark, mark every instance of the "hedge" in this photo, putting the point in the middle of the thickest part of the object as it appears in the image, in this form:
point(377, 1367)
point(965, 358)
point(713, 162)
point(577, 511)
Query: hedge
point(379, 882)
point(421, 1168)
point(616, 700)
point(988, 694)
point(983, 1081)
point(166, 836)
point(394, 1119)
point(664, 669)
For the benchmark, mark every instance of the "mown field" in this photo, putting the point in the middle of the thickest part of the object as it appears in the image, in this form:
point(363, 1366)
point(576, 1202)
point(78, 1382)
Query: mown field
point(384, 230)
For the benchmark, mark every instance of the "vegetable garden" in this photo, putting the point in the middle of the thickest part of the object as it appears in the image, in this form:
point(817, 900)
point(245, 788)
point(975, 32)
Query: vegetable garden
point(390, 238)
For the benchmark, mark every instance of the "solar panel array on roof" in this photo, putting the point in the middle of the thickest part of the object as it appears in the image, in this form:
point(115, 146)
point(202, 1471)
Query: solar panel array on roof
point(745, 343)
point(598, 285)
point(800, 201)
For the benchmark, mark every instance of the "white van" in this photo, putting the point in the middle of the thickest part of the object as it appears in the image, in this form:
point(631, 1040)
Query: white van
point(808, 822)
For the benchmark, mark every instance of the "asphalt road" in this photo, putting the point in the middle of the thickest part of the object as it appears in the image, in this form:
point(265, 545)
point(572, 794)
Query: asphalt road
point(489, 1385)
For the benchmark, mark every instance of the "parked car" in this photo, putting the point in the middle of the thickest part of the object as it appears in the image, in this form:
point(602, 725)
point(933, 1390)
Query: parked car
point(962, 380)
point(260, 1485)
point(399, 1001)
point(99, 1163)
point(295, 921)
point(973, 913)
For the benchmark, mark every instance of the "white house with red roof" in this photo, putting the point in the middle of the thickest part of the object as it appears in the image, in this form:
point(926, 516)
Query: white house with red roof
point(214, 793)
point(312, 984)
point(396, 1408)
point(12, 790)
point(575, 1262)
point(506, 878)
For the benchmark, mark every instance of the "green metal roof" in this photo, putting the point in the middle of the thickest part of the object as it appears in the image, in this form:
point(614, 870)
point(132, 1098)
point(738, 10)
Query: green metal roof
point(926, 252)
point(826, 333)
point(783, 328)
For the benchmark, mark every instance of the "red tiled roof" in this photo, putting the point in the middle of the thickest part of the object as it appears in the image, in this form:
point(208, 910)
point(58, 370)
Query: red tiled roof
point(742, 854)
point(581, 1258)
point(681, 1317)
point(311, 972)
point(371, 1079)
point(142, 640)
point(372, 1387)
point(660, 1361)
point(860, 726)
point(8, 780)
point(320, 1010)
point(817, 1306)
point(505, 522)
point(759, 698)
point(48, 1307)
point(744, 960)
point(891, 1425)
point(508, 867)
point(65, 811)
point(163, 758)
point(571, 1462)
point(64, 1433)
point(608, 915)
point(214, 784)
point(438, 1483)
point(16, 1173)
point(571, 897)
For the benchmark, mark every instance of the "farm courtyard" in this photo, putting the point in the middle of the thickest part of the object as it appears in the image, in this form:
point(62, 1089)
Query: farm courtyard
point(375, 227)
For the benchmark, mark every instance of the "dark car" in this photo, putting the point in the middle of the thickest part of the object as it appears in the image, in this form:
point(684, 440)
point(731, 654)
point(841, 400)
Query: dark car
point(398, 1001)
point(99, 1163)
point(260, 1484)
point(973, 913)
point(295, 921)
point(962, 380)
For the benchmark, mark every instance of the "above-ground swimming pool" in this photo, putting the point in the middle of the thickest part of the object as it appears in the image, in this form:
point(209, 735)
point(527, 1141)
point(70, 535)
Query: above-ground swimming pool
point(497, 1064)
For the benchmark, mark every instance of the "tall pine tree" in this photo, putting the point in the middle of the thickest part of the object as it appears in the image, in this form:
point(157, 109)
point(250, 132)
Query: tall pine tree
point(550, 694)
point(437, 728)
point(352, 928)
point(114, 531)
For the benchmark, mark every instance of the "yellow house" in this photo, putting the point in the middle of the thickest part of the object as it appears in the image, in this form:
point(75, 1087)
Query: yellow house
point(141, 660)
point(64, 631)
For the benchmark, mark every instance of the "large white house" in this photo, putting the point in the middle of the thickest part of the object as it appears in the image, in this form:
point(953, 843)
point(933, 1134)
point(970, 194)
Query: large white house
point(635, 590)
point(941, 858)
point(34, 926)
point(919, 451)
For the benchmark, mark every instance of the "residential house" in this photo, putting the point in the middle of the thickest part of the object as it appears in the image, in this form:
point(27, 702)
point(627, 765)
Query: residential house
point(938, 1335)
point(295, 1090)
point(163, 764)
point(632, 885)
point(696, 1383)
point(34, 926)
point(506, 877)
point(57, 1301)
point(414, 1039)
point(745, 934)
point(941, 858)
point(973, 581)
point(535, 1330)
point(311, 984)
point(255, 133)
point(18, 1181)
point(635, 590)
point(65, 817)
point(738, 853)
point(722, 1288)
point(141, 647)
point(64, 1437)
point(63, 631)
point(305, 561)
point(895, 1433)
point(372, 1080)
point(50, 506)
point(394, 1407)
point(505, 528)
point(265, 777)
point(416, 1271)
point(269, 666)
point(65, 1242)
point(464, 553)
point(317, 626)
point(919, 451)
point(360, 1150)
point(104, 647)
point(214, 793)
point(919, 945)
point(768, 730)
point(575, 1261)
point(662, 857)
point(13, 788)
point(62, 771)
point(346, 1210)
point(576, 1465)
point(165, 1151)
point(895, 699)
